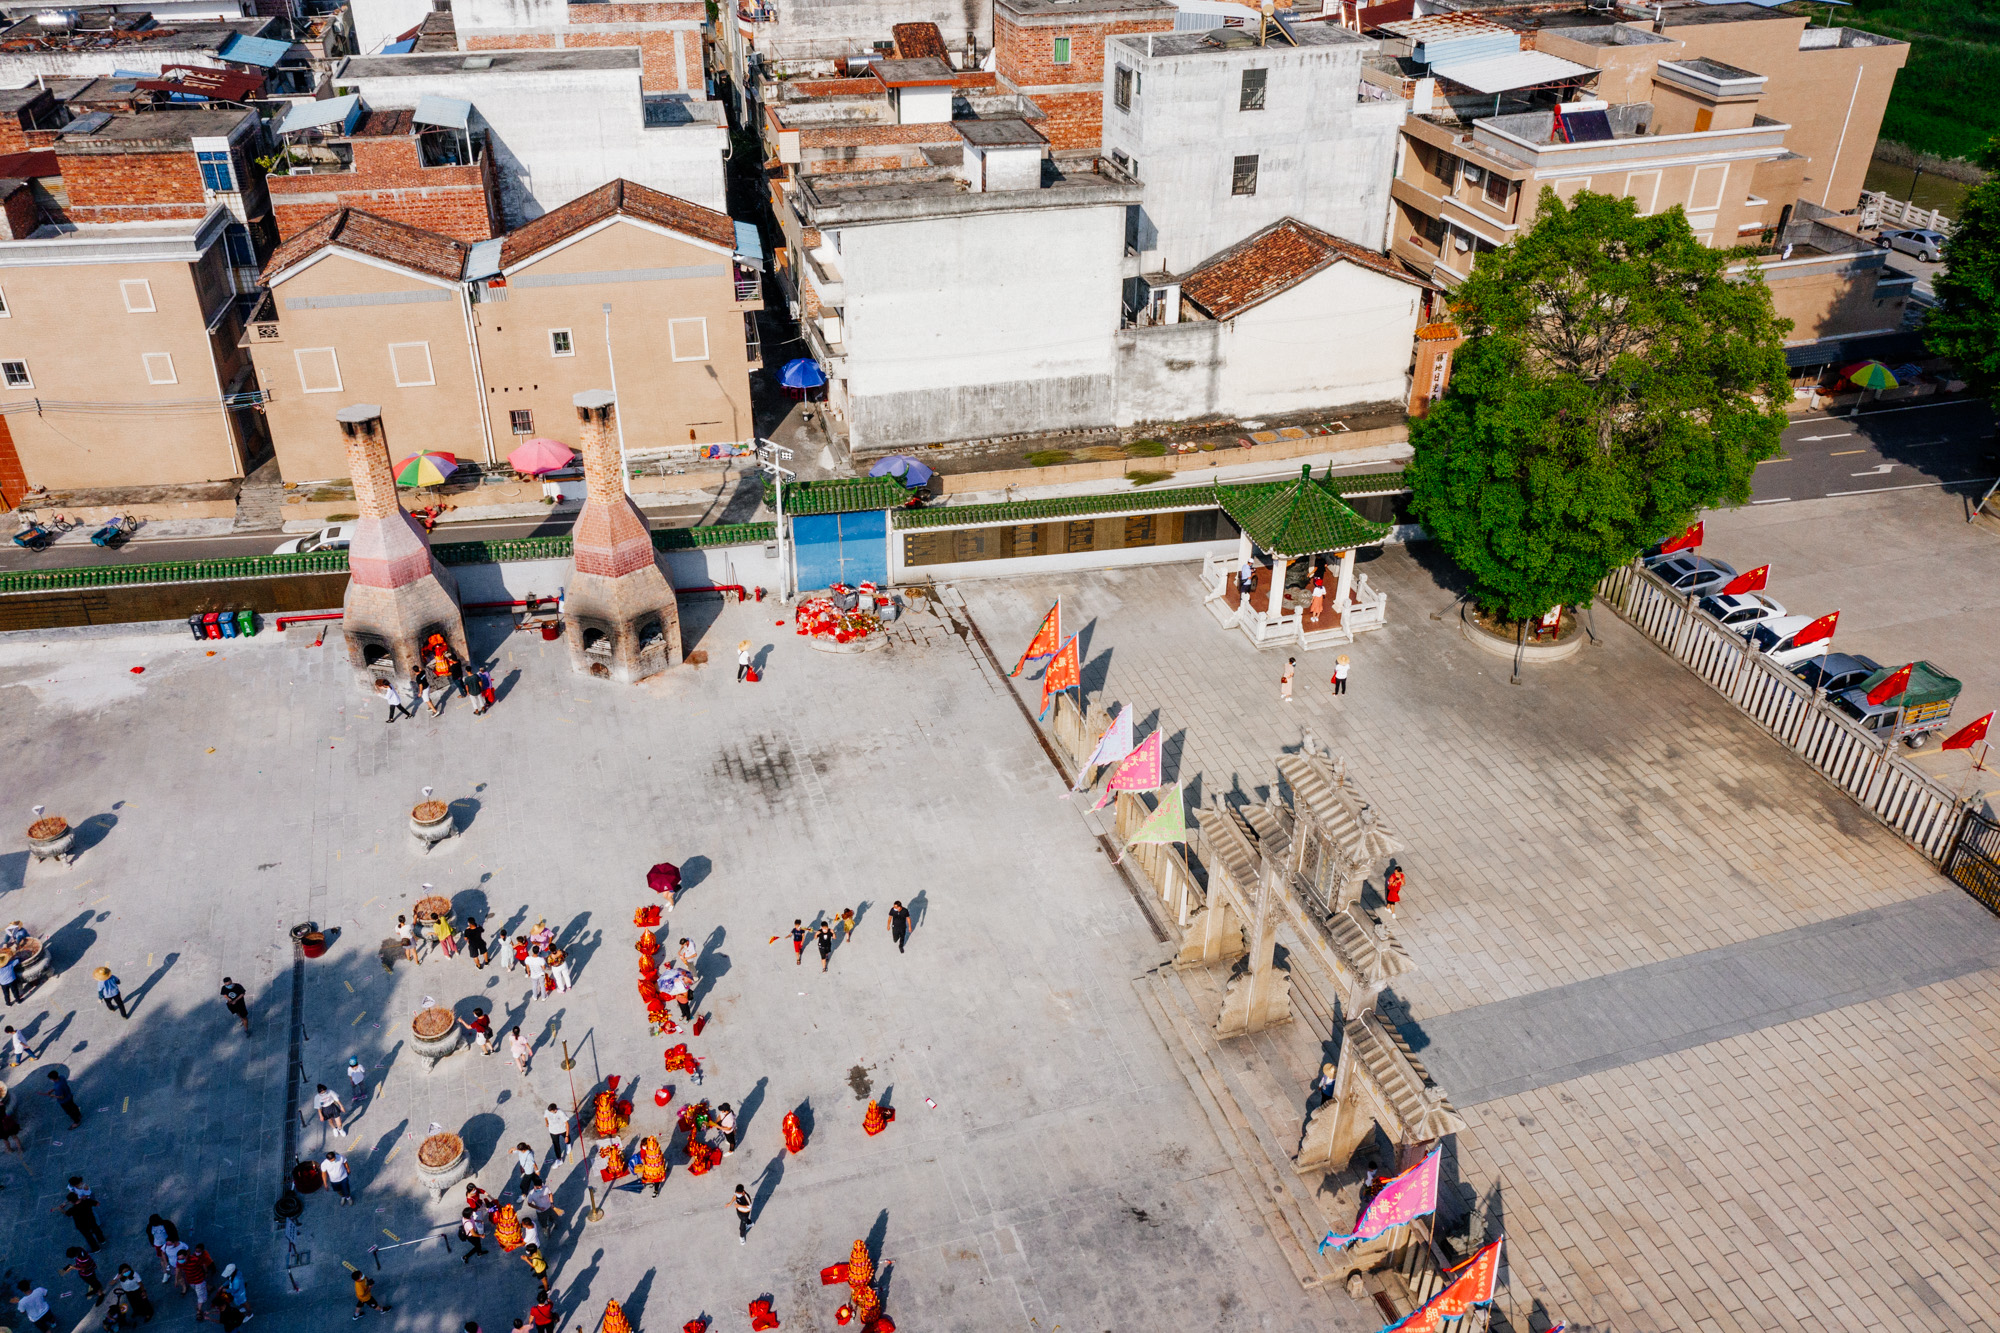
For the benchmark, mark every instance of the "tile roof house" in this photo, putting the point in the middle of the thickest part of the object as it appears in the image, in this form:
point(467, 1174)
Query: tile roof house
point(613, 199)
point(364, 234)
point(1275, 260)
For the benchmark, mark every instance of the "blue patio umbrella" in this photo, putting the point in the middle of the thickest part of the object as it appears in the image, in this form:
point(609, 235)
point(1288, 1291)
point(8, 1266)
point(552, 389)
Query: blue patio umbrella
point(909, 469)
point(803, 373)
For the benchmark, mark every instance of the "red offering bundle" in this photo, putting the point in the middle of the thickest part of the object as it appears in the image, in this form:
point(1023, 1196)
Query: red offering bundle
point(760, 1315)
point(832, 1275)
point(647, 917)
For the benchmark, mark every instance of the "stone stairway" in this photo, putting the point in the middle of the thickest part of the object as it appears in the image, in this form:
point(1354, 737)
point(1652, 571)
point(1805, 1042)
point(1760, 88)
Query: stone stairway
point(261, 501)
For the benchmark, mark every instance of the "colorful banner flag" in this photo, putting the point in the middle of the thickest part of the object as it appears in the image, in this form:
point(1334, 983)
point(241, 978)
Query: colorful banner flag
point(1472, 1284)
point(1063, 672)
point(1045, 642)
point(1412, 1195)
point(1113, 745)
point(1819, 629)
point(1894, 686)
point(1687, 541)
point(1753, 581)
point(1968, 735)
point(1166, 824)
point(1137, 771)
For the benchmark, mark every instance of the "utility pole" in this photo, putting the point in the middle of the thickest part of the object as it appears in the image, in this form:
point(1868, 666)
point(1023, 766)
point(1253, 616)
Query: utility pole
point(771, 459)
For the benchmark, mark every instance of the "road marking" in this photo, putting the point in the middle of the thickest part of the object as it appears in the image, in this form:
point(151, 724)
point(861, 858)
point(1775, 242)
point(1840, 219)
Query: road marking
point(1879, 470)
point(1842, 453)
point(1886, 411)
point(358, 1017)
point(1775, 460)
point(1783, 499)
point(392, 1235)
point(1844, 435)
point(126, 1107)
point(1916, 486)
point(349, 985)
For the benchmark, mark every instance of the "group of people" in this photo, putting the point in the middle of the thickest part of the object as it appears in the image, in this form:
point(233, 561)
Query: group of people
point(829, 930)
point(433, 683)
point(535, 951)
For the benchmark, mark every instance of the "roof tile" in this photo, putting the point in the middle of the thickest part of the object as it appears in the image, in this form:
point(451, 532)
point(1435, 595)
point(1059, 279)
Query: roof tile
point(1273, 260)
point(610, 200)
point(391, 242)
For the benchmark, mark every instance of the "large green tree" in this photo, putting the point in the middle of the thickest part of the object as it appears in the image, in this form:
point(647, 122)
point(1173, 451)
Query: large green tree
point(1614, 383)
point(1965, 323)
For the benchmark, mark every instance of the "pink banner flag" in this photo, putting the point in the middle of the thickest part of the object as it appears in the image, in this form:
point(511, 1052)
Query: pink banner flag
point(1404, 1199)
point(1137, 771)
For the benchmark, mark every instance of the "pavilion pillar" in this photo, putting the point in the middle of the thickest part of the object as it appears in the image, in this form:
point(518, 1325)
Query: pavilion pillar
point(1274, 604)
point(1345, 586)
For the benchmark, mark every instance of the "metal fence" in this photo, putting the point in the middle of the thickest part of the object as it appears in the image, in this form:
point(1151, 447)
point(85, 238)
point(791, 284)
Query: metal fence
point(1974, 863)
point(1911, 802)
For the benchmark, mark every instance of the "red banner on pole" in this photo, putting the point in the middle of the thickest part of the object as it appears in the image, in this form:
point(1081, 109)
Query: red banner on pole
point(1819, 629)
point(1063, 672)
point(1751, 582)
point(1687, 541)
point(1968, 735)
point(1893, 686)
point(1045, 642)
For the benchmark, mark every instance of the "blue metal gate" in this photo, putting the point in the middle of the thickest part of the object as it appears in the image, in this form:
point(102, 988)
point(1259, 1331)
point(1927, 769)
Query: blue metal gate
point(841, 548)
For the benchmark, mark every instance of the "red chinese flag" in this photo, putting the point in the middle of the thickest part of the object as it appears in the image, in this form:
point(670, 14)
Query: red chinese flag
point(1687, 541)
point(1969, 735)
point(1897, 684)
point(1819, 629)
point(1063, 672)
point(1753, 581)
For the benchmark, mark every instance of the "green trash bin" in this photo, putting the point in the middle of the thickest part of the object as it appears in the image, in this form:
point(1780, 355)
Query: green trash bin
point(246, 622)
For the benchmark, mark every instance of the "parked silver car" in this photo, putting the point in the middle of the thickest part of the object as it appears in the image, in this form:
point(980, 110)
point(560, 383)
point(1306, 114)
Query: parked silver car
point(1922, 242)
point(1738, 611)
point(1694, 575)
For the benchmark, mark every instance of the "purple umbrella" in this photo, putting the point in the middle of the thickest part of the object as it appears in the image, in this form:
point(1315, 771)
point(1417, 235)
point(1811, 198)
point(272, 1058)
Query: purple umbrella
point(912, 471)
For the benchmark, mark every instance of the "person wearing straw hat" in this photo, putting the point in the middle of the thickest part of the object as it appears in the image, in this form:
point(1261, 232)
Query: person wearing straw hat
point(742, 661)
point(107, 991)
point(1340, 665)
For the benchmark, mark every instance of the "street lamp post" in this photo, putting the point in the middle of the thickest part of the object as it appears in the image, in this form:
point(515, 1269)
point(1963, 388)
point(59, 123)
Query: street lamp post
point(771, 459)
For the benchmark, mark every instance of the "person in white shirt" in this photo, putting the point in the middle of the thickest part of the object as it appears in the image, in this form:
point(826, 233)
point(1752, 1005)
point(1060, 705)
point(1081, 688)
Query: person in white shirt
point(558, 1124)
point(520, 1048)
point(524, 1157)
point(33, 1303)
point(333, 1169)
point(537, 965)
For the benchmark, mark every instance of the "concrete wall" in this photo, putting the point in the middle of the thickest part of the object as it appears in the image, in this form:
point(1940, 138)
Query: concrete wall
point(1067, 562)
point(1323, 157)
point(559, 134)
point(966, 327)
point(379, 21)
point(662, 402)
point(1342, 336)
point(843, 27)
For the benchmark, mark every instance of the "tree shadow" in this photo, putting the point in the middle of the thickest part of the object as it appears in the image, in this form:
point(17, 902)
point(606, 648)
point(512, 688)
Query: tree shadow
point(91, 832)
point(366, 1171)
point(767, 1185)
point(468, 905)
point(747, 1109)
point(146, 987)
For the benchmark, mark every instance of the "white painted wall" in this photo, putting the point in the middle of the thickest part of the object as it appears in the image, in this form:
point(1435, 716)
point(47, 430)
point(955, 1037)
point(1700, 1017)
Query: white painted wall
point(379, 21)
point(1324, 157)
point(979, 325)
point(558, 134)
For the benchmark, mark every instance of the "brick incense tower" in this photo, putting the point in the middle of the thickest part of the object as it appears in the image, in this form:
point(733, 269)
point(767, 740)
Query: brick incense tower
point(398, 595)
point(618, 611)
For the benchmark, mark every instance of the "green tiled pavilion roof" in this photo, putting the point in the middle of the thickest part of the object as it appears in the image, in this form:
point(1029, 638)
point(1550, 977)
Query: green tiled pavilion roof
point(1297, 518)
point(1367, 483)
point(840, 495)
point(1062, 506)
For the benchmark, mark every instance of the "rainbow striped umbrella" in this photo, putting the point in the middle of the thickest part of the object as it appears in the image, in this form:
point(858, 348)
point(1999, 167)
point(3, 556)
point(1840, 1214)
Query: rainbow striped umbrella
point(1869, 375)
point(426, 469)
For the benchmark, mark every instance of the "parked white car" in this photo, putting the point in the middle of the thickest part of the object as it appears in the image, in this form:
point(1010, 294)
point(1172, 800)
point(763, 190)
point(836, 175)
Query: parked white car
point(1739, 611)
point(1694, 575)
point(334, 538)
point(1773, 639)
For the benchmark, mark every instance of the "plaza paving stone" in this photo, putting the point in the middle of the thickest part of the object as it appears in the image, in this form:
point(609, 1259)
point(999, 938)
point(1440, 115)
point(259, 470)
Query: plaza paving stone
point(1828, 1160)
point(1064, 1178)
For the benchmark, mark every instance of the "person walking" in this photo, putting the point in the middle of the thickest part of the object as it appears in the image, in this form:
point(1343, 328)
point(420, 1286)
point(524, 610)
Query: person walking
point(472, 1231)
point(162, 1234)
point(10, 1124)
point(544, 1204)
point(688, 954)
point(327, 1103)
point(521, 1049)
point(1392, 887)
point(357, 1081)
point(364, 1296)
point(899, 924)
point(397, 708)
point(1318, 595)
point(482, 683)
point(742, 1205)
point(333, 1169)
point(33, 1303)
point(131, 1289)
point(475, 944)
point(191, 1274)
point(407, 933)
point(1285, 680)
point(516, 951)
point(231, 1285)
point(10, 981)
point(543, 1314)
point(846, 924)
point(108, 990)
point(481, 1027)
point(81, 1206)
point(64, 1096)
point(1340, 666)
point(85, 1268)
point(531, 1255)
point(798, 944)
point(537, 964)
point(17, 1048)
point(447, 939)
point(559, 970)
point(524, 1158)
point(232, 993)
point(825, 934)
point(742, 661)
point(725, 1120)
point(558, 1126)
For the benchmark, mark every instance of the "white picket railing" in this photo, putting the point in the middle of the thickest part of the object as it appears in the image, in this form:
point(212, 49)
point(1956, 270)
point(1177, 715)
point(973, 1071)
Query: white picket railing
point(1911, 802)
point(1880, 210)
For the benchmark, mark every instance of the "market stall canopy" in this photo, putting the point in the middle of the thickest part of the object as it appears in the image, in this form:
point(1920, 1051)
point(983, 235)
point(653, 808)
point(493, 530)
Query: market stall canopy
point(803, 373)
point(541, 454)
point(426, 469)
point(1297, 518)
point(1869, 375)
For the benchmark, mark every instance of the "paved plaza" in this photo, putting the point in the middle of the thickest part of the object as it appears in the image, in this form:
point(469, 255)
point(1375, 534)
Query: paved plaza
point(1047, 1168)
point(1724, 1045)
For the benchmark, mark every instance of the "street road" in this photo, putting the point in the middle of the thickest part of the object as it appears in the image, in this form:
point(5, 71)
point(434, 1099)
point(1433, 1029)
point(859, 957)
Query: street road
point(1886, 449)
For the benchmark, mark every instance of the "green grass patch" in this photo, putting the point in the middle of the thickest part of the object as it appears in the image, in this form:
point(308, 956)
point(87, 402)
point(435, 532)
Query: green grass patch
point(1145, 449)
point(1142, 478)
point(1943, 101)
point(1047, 457)
point(341, 518)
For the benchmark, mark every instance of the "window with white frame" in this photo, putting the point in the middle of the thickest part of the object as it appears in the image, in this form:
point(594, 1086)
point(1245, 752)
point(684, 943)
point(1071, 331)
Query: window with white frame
point(319, 369)
point(138, 294)
point(560, 343)
point(411, 363)
point(217, 172)
point(6, 311)
point(159, 368)
point(16, 374)
point(688, 339)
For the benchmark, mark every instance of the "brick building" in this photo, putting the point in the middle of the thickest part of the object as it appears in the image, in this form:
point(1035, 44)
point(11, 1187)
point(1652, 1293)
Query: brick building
point(666, 33)
point(438, 177)
point(1053, 52)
